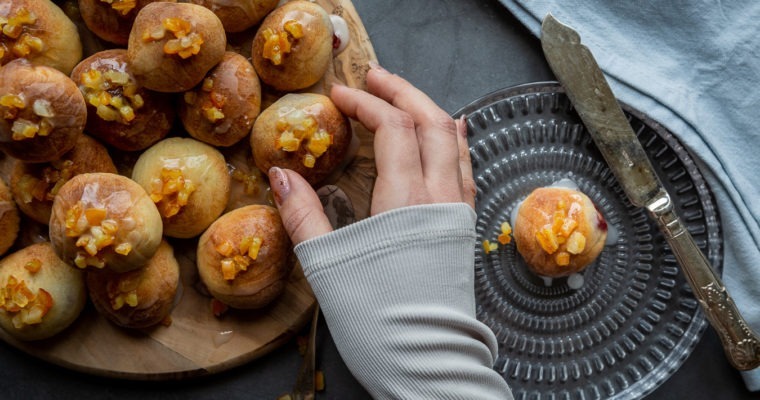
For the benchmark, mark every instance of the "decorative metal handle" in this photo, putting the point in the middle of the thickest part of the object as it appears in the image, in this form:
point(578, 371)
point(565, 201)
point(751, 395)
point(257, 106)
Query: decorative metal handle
point(741, 344)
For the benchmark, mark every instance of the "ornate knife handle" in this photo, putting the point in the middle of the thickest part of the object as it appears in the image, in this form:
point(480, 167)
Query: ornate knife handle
point(741, 344)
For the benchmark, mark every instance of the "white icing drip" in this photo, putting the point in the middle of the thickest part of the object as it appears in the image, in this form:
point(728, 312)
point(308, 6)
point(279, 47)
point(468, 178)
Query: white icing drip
point(547, 280)
point(575, 281)
point(613, 234)
point(90, 195)
point(340, 30)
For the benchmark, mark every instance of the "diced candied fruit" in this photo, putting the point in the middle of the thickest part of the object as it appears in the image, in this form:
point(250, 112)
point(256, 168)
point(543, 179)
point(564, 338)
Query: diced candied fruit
point(562, 258)
point(547, 239)
point(93, 232)
point(506, 231)
point(208, 85)
point(33, 265)
point(276, 45)
point(576, 243)
point(171, 191)
point(28, 307)
point(13, 100)
point(101, 89)
point(238, 259)
point(297, 128)
point(489, 247)
point(123, 7)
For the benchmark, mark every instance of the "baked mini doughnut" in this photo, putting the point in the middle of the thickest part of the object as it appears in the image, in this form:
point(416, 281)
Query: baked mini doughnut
point(304, 132)
point(140, 298)
point(293, 46)
point(9, 218)
point(101, 220)
point(238, 16)
point(111, 20)
point(559, 231)
point(221, 110)
point(120, 112)
point(173, 45)
point(41, 112)
point(38, 31)
point(188, 181)
point(245, 257)
point(40, 295)
point(35, 185)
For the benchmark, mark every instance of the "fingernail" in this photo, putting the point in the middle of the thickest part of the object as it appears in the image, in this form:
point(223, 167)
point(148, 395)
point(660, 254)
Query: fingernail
point(279, 183)
point(374, 65)
point(462, 126)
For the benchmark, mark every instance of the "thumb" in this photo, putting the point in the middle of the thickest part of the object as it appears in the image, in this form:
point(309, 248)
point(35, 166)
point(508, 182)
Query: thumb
point(300, 208)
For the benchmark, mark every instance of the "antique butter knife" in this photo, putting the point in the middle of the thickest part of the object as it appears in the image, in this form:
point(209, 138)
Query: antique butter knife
point(578, 72)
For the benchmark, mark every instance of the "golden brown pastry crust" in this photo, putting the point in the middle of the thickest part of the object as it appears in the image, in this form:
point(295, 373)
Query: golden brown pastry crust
point(237, 16)
point(222, 109)
point(265, 136)
point(153, 116)
point(49, 98)
point(309, 56)
point(64, 284)
point(125, 202)
point(9, 218)
point(537, 211)
point(266, 276)
point(61, 47)
point(153, 287)
point(34, 185)
point(163, 72)
point(109, 24)
point(203, 166)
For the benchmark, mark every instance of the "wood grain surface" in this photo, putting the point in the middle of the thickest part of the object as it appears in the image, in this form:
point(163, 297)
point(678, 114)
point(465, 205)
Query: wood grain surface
point(198, 343)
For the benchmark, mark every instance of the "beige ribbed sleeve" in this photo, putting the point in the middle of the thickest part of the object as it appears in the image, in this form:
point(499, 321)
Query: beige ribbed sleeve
point(397, 293)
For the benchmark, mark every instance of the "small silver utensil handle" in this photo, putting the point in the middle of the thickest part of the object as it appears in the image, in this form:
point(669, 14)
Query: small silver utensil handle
point(741, 344)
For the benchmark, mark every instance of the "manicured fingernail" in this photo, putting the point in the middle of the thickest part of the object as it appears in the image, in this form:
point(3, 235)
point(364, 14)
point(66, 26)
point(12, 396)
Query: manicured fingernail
point(374, 65)
point(279, 183)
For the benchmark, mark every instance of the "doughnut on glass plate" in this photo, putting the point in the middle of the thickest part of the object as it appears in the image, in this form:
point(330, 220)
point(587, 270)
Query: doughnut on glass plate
point(623, 326)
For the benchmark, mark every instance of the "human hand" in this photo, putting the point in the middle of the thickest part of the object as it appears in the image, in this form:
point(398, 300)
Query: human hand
point(421, 155)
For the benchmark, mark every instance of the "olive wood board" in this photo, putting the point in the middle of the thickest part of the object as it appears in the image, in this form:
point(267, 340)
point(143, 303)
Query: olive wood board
point(196, 342)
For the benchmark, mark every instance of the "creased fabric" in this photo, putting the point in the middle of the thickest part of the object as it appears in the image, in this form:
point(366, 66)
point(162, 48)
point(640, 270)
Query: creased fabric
point(693, 66)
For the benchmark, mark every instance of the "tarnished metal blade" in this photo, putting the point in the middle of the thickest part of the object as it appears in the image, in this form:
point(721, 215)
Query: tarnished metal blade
point(577, 71)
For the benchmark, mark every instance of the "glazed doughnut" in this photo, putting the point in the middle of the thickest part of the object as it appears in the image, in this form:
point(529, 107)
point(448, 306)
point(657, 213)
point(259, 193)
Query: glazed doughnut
point(221, 111)
point(559, 231)
point(40, 295)
point(189, 182)
point(245, 257)
point(173, 45)
point(139, 298)
point(119, 111)
point(38, 31)
point(35, 185)
point(42, 112)
point(101, 220)
point(293, 46)
point(304, 132)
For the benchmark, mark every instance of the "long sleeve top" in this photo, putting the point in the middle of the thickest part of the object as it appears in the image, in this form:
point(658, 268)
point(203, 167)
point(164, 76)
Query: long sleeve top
point(397, 293)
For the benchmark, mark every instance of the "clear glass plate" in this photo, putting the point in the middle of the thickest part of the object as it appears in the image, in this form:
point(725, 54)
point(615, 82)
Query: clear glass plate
point(634, 320)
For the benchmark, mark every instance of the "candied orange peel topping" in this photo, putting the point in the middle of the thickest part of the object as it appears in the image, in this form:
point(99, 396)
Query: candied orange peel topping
point(11, 106)
point(186, 43)
point(562, 231)
point(15, 40)
point(113, 94)
point(46, 186)
point(122, 290)
point(238, 259)
point(489, 247)
point(33, 266)
point(28, 307)
point(278, 44)
point(171, 191)
point(123, 7)
point(213, 101)
point(251, 182)
point(93, 232)
point(298, 129)
point(506, 231)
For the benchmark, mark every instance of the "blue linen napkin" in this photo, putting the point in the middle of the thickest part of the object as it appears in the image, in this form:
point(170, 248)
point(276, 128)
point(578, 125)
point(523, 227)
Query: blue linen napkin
point(693, 66)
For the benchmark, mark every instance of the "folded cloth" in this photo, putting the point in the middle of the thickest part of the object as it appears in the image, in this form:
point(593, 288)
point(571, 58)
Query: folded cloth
point(693, 66)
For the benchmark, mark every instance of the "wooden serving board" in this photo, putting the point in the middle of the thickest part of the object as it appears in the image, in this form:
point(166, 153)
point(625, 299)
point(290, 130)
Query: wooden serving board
point(196, 342)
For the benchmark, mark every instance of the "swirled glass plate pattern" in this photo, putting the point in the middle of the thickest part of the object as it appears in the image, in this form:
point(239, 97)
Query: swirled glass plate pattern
point(634, 320)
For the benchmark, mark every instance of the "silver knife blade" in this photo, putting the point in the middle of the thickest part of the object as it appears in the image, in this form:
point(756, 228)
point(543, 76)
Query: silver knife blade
point(591, 96)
